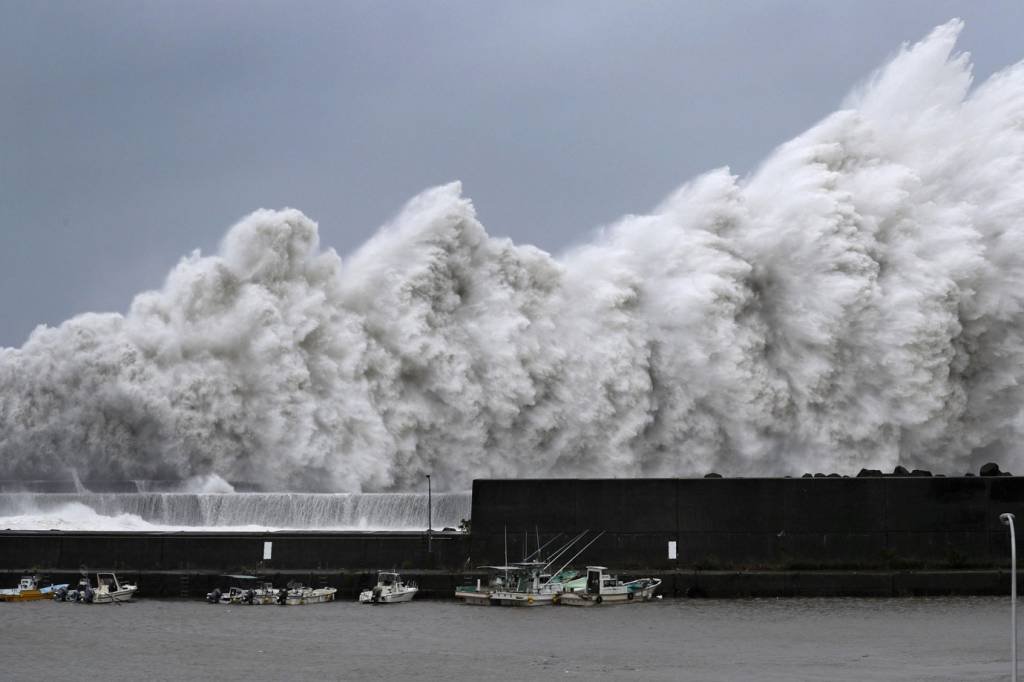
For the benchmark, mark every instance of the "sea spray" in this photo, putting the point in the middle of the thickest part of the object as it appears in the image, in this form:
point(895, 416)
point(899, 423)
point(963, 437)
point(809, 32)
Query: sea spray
point(858, 301)
point(235, 511)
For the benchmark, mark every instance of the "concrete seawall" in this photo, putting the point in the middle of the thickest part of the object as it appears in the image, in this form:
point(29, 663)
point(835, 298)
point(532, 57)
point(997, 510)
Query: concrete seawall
point(886, 536)
point(883, 523)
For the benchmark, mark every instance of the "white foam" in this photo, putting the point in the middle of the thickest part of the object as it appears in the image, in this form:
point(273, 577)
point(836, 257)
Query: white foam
point(857, 301)
point(230, 511)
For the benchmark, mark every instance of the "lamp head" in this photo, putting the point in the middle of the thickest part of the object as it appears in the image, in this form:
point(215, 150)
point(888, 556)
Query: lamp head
point(1006, 518)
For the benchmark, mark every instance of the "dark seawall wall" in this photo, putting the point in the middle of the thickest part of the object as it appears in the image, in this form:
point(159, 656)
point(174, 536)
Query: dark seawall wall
point(757, 523)
point(191, 564)
point(230, 552)
point(770, 537)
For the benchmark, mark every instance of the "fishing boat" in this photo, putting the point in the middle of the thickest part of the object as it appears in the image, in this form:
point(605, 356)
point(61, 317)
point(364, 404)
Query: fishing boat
point(600, 588)
point(480, 594)
point(298, 594)
point(530, 586)
point(390, 589)
point(531, 583)
point(28, 590)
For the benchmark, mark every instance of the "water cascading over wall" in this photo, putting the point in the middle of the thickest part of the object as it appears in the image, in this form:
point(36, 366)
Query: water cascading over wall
point(221, 511)
point(856, 302)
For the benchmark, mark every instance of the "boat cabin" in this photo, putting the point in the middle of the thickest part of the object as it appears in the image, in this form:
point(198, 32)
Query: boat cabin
point(388, 579)
point(599, 582)
point(107, 582)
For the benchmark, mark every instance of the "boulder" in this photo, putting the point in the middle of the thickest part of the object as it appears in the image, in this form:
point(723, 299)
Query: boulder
point(900, 470)
point(990, 469)
point(712, 475)
point(920, 472)
point(864, 473)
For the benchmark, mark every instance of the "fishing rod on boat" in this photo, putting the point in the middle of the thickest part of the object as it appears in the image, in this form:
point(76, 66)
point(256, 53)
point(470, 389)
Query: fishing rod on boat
point(541, 547)
point(574, 557)
point(565, 548)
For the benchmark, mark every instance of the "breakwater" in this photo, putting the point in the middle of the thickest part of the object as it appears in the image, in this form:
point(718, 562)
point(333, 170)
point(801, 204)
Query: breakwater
point(871, 523)
point(875, 536)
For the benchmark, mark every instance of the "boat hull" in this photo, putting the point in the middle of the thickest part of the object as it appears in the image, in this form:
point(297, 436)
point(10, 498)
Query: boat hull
point(111, 597)
point(627, 596)
point(474, 598)
point(367, 597)
point(522, 599)
point(319, 596)
point(25, 595)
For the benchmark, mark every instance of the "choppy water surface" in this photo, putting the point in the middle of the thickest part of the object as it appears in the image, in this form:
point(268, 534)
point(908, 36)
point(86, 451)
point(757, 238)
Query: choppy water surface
point(791, 639)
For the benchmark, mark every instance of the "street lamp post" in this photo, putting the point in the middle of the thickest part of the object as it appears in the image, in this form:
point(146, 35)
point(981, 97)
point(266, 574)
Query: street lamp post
point(1008, 520)
point(430, 520)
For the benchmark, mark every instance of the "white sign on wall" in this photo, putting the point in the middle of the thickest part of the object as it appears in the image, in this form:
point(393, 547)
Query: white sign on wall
point(671, 549)
point(268, 550)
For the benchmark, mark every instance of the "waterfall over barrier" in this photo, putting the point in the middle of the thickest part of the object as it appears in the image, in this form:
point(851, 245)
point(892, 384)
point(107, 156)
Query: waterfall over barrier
point(218, 511)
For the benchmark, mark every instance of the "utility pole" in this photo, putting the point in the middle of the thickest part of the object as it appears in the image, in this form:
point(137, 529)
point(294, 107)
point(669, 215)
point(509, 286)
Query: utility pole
point(430, 519)
point(1007, 519)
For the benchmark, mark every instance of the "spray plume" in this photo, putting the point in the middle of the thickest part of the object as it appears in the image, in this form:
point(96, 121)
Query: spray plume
point(857, 301)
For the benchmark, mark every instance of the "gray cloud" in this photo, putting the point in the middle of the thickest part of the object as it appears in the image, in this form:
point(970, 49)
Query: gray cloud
point(132, 133)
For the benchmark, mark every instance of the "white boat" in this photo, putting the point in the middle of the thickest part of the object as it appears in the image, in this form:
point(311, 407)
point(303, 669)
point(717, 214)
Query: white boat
point(601, 588)
point(390, 589)
point(297, 595)
point(251, 592)
point(108, 590)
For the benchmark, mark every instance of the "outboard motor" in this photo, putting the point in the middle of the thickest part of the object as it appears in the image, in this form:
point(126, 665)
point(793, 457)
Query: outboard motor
point(282, 596)
point(214, 597)
point(376, 594)
point(87, 595)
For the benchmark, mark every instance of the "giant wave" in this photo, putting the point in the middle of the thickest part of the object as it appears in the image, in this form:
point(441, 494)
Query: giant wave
point(856, 301)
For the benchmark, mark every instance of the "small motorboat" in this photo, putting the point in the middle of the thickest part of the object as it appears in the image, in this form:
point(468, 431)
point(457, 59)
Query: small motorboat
point(297, 595)
point(255, 593)
point(390, 589)
point(28, 590)
point(108, 590)
point(601, 588)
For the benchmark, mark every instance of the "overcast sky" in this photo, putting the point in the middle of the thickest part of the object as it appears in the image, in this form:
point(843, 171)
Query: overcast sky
point(134, 132)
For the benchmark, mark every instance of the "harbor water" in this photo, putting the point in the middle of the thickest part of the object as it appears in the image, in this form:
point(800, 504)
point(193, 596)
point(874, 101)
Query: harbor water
point(754, 639)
